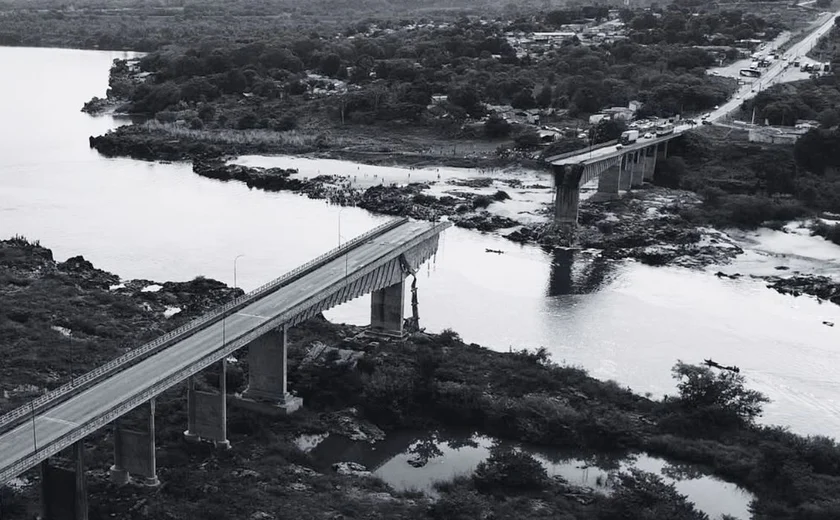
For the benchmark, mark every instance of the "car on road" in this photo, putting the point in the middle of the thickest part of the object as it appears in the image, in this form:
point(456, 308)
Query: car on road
point(706, 122)
point(617, 147)
point(648, 135)
point(717, 107)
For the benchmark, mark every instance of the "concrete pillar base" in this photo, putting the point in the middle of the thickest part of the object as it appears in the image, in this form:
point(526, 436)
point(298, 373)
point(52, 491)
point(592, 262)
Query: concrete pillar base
point(601, 196)
point(149, 481)
point(276, 406)
point(222, 445)
point(119, 476)
point(191, 437)
point(384, 334)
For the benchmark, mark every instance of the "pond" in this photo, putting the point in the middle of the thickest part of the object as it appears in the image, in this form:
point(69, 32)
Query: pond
point(413, 461)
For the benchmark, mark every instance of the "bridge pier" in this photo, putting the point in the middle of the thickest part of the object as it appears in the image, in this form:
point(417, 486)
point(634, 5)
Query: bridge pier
point(64, 490)
point(207, 412)
point(626, 174)
point(608, 183)
point(387, 307)
point(567, 195)
point(649, 163)
point(134, 453)
point(662, 150)
point(637, 177)
point(267, 375)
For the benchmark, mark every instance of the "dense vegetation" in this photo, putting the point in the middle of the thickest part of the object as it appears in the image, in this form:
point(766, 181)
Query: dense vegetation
point(392, 74)
point(685, 25)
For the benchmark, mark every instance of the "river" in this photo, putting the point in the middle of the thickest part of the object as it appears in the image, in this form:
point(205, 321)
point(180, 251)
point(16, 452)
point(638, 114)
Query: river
point(621, 321)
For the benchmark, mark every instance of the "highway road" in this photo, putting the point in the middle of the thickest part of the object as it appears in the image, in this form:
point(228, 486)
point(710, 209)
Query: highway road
point(92, 403)
point(774, 73)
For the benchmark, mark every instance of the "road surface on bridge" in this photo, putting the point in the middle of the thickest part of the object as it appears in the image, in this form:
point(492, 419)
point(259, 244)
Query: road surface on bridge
point(51, 424)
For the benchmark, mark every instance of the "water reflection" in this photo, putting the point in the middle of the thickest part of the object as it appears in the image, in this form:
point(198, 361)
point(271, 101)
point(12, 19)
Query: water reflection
point(416, 461)
point(575, 271)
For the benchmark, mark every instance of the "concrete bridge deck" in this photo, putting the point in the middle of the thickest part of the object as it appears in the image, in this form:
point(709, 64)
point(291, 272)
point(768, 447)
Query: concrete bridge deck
point(377, 262)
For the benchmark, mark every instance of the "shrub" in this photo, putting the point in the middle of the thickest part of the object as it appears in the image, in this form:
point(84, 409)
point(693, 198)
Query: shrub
point(716, 399)
point(506, 469)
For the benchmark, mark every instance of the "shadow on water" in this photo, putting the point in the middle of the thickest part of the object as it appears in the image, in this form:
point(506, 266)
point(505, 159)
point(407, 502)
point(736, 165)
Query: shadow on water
point(416, 461)
point(575, 271)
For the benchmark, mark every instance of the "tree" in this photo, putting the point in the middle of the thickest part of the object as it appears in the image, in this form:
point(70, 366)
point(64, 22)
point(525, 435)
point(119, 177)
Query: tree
point(523, 100)
point(719, 397)
point(608, 130)
point(330, 64)
point(544, 97)
point(496, 127)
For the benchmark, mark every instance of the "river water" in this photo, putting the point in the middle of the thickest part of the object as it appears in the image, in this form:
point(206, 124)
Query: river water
point(620, 321)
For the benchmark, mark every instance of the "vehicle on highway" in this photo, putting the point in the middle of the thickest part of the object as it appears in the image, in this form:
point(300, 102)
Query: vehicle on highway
point(618, 147)
point(750, 73)
point(648, 135)
point(663, 130)
point(706, 122)
point(628, 137)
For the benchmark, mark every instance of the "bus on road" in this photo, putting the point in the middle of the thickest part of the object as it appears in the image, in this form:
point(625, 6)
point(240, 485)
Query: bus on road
point(665, 129)
point(750, 73)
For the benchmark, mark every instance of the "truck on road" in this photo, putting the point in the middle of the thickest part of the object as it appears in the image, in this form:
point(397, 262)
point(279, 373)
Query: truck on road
point(628, 137)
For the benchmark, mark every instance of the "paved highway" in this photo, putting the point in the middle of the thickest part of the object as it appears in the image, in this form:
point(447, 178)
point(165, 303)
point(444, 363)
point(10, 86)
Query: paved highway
point(106, 395)
point(770, 75)
point(774, 72)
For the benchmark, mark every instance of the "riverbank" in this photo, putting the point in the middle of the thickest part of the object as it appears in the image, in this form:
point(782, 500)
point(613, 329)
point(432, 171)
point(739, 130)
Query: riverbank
point(428, 382)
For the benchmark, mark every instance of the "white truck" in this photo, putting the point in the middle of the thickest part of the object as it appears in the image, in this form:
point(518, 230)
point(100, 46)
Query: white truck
point(628, 137)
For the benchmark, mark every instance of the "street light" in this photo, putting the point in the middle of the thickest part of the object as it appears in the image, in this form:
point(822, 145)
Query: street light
point(339, 224)
point(234, 269)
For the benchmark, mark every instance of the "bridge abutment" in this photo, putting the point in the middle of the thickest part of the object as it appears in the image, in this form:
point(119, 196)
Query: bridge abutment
point(387, 307)
point(64, 490)
point(267, 375)
point(134, 453)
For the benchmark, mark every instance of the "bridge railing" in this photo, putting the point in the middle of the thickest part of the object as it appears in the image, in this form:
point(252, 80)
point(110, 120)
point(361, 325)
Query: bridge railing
point(167, 381)
point(190, 328)
point(581, 151)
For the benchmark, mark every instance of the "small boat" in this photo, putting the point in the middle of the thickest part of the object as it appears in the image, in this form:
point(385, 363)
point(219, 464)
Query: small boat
point(713, 364)
point(497, 251)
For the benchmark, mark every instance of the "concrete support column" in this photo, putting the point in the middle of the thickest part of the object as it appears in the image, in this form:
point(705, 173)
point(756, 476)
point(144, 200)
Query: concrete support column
point(608, 183)
point(566, 203)
point(662, 150)
point(387, 307)
point(207, 412)
point(650, 163)
point(134, 453)
point(267, 375)
point(626, 174)
point(567, 194)
point(64, 490)
point(638, 175)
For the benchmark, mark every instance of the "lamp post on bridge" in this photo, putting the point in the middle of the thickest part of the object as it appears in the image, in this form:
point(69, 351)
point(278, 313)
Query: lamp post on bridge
point(234, 269)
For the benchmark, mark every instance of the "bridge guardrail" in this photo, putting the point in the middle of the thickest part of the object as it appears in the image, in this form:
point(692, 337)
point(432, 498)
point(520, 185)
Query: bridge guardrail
point(168, 381)
point(581, 151)
point(192, 327)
